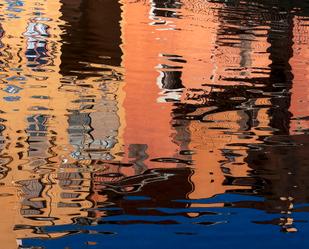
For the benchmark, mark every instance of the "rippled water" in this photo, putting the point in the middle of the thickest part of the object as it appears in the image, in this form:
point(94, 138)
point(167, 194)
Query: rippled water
point(154, 124)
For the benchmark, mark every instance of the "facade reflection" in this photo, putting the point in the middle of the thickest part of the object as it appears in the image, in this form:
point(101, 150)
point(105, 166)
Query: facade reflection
point(33, 114)
point(138, 112)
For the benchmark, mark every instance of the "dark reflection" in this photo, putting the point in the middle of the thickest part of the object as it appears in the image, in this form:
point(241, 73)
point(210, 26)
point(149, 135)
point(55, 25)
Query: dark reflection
point(142, 194)
point(163, 8)
point(91, 37)
point(283, 170)
point(171, 80)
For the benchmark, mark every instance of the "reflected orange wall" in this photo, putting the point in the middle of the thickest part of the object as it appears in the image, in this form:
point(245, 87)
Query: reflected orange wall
point(146, 122)
point(144, 43)
point(300, 68)
point(143, 47)
point(211, 166)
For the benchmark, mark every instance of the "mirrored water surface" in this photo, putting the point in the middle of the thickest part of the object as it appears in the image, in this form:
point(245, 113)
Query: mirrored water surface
point(154, 124)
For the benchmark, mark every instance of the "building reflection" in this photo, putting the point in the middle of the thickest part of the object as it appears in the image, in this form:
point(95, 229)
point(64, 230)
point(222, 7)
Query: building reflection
point(90, 58)
point(223, 138)
point(93, 116)
point(33, 117)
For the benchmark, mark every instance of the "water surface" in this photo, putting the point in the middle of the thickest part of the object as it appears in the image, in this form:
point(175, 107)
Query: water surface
point(154, 124)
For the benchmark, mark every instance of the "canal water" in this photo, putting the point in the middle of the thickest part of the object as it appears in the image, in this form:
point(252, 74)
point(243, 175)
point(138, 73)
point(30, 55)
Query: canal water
point(154, 124)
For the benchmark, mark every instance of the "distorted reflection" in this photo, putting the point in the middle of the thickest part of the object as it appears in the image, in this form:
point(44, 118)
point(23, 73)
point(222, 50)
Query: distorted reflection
point(154, 124)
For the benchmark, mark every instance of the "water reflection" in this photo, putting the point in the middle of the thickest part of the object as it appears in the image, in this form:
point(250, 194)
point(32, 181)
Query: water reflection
point(160, 120)
point(91, 37)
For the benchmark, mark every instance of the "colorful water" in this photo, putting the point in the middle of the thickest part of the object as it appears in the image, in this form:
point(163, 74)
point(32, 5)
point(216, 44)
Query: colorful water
point(154, 124)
